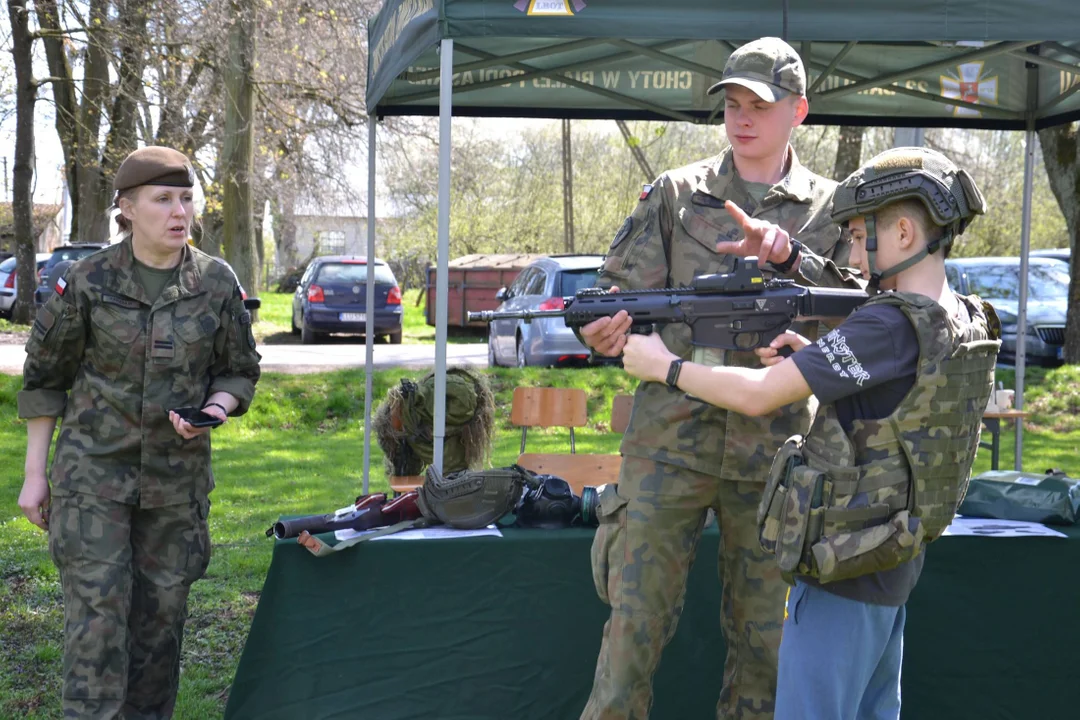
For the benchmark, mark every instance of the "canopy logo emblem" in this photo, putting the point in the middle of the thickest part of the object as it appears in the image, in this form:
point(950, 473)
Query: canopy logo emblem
point(550, 8)
point(970, 84)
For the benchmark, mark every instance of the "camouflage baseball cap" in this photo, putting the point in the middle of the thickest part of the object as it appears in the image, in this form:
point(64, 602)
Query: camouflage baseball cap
point(768, 67)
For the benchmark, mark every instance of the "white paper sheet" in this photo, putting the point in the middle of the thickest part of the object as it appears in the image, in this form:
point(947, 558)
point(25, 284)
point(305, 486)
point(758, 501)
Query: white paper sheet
point(989, 527)
point(431, 533)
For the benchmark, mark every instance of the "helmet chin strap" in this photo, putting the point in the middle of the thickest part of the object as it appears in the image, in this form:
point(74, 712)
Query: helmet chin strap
point(877, 276)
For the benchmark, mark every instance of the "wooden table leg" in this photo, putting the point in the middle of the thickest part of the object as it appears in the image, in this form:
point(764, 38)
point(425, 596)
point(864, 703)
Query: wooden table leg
point(994, 426)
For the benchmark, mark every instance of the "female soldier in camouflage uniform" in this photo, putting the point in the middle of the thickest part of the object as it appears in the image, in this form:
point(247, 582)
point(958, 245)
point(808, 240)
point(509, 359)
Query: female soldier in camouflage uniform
point(130, 332)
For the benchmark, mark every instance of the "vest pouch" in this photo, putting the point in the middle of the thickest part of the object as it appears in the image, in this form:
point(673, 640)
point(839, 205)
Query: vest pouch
point(882, 547)
point(774, 496)
point(802, 504)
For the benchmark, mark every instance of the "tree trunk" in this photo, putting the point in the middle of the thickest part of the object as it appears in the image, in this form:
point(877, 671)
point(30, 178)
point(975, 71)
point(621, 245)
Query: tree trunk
point(207, 233)
point(63, 88)
point(133, 42)
point(568, 189)
point(238, 240)
point(1061, 156)
point(285, 230)
point(258, 210)
point(22, 198)
point(848, 152)
point(78, 125)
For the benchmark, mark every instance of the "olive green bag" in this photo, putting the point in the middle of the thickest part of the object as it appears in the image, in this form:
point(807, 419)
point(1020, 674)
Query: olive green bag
point(1051, 498)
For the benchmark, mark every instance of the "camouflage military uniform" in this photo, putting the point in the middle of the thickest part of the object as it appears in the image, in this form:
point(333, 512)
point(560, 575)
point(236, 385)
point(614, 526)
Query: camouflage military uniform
point(683, 456)
point(128, 523)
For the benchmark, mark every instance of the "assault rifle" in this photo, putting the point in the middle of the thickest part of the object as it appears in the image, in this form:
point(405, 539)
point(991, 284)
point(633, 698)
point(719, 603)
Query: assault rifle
point(739, 310)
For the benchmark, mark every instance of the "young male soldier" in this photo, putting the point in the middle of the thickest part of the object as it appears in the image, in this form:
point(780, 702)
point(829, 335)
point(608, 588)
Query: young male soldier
point(902, 385)
point(682, 457)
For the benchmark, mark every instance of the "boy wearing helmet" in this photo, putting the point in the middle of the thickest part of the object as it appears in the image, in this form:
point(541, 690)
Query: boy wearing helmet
point(902, 384)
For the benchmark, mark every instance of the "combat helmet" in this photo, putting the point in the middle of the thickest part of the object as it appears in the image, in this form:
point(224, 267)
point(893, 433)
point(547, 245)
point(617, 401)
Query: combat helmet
point(948, 193)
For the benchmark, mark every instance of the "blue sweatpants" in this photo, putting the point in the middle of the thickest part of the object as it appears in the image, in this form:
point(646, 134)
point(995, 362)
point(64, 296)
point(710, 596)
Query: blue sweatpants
point(839, 659)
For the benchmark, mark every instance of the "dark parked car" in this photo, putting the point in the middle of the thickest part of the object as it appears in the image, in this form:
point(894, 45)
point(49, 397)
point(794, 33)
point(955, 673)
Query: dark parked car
point(332, 298)
point(9, 283)
point(64, 253)
point(542, 285)
point(997, 280)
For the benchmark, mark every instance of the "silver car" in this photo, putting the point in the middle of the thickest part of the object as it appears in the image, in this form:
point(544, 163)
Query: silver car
point(9, 284)
point(997, 280)
point(542, 285)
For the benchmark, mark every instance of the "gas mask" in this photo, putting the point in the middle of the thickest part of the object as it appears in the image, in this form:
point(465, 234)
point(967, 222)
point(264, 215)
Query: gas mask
point(552, 505)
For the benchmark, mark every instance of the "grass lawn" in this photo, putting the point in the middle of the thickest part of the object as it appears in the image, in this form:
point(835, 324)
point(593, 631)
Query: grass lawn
point(275, 317)
point(285, 456)
point(299, 450)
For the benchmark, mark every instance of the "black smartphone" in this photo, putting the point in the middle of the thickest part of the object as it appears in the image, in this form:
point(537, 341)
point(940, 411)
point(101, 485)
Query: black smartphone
point(196, 417)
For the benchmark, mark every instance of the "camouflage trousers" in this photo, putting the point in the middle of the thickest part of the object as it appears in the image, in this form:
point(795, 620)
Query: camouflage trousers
point(125, 573)
point(641, 557)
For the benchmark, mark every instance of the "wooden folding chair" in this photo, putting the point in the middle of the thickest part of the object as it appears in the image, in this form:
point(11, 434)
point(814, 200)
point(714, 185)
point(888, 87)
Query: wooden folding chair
point(548, 407)
point(579, 470)
point(560, 407)
point(404, 483)
point(620, 412)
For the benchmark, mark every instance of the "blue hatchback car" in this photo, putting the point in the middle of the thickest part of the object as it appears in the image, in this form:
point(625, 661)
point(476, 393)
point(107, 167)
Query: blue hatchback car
point(332, 298)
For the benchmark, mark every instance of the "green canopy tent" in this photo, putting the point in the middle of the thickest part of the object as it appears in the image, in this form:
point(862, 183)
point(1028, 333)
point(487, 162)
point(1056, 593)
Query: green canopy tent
point(988, 64)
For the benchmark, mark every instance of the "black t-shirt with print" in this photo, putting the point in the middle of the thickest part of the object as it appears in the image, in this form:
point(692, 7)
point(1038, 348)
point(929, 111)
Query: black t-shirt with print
point(864, 368)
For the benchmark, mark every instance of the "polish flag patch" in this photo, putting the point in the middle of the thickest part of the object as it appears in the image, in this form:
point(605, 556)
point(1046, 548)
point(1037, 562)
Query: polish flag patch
point(61, 286)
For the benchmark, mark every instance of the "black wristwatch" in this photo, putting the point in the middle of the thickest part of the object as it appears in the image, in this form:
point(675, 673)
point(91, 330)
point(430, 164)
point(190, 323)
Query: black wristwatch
point(673, 372)
point(785, 267)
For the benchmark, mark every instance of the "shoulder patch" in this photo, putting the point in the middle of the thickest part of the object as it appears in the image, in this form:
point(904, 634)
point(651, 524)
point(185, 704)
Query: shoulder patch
point(646, 190)
point(43, 322)
point(61, 286)
point(627, 226)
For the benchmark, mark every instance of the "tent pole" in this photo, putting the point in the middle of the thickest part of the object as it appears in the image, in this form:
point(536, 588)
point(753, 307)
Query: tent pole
point(1021, 315)
point(369, 302)
point(442, 276)
point(1025, 248)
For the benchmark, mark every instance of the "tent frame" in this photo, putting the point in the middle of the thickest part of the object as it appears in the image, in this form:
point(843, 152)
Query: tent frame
point(1034, 117)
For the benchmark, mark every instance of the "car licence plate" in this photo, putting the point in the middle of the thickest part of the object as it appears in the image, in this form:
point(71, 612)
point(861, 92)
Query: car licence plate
point(352, 317)
point(1061, 353)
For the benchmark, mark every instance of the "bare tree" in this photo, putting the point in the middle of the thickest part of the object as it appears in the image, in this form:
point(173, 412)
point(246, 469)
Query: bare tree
point(237, 162)
point(1061, 155)
point(78, 122)
point(22, 205)
point(848, 151)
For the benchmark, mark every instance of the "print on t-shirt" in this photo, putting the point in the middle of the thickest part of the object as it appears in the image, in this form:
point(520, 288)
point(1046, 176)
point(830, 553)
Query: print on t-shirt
point(836, 350)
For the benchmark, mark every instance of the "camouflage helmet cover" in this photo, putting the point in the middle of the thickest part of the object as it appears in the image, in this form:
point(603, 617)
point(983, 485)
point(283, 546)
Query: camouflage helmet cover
point(948, 192)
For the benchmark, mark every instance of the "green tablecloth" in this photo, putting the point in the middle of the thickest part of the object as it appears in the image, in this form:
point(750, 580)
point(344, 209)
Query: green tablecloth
point(499, 628)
